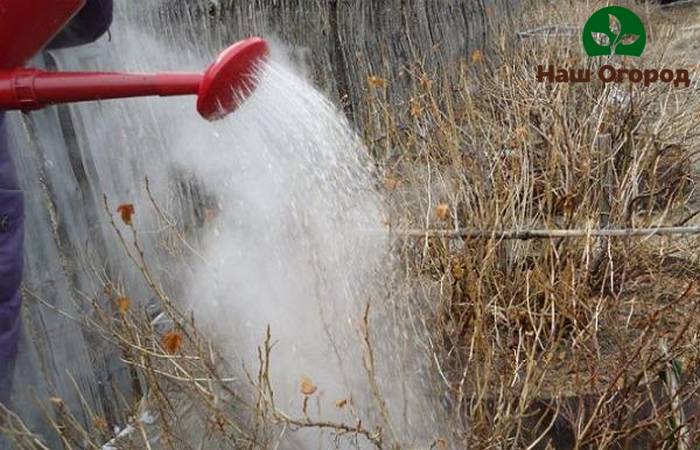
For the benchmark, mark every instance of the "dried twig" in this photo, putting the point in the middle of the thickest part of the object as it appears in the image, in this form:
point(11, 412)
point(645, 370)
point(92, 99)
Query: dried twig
point(546, 234)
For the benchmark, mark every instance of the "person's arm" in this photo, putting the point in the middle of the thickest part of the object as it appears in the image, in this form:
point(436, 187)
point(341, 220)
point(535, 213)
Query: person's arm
point(11, 239)
point(87, 26)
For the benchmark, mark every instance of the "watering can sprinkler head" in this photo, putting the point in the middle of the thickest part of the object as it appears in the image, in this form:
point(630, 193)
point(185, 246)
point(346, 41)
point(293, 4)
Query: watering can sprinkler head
point(220, 89)
point(230, 79)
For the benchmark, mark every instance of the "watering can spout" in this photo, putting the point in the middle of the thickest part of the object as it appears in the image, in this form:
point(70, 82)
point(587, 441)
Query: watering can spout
point(220, 89)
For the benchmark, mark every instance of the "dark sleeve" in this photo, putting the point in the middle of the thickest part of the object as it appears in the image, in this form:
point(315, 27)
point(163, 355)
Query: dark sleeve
point(8, 176)
point(11, 260)
point(87, 26)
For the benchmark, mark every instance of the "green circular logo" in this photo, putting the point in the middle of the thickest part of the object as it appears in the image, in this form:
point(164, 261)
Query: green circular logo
point(614, 30)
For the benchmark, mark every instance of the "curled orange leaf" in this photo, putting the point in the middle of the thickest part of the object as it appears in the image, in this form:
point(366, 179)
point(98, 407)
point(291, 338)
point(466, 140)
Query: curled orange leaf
point(172, 341)
point(458, 269)
point(416, 109)
point(307, 386)
point(123, 304)
point(442, 211)
point(375, 81)
point(101, 424)
point(127, 211)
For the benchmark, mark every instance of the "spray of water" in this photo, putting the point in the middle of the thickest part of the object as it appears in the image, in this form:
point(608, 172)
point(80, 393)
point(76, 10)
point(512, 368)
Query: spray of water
point(291, 248)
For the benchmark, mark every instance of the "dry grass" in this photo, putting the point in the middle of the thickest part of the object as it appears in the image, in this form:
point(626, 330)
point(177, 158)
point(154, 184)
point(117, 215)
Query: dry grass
point(569, 342)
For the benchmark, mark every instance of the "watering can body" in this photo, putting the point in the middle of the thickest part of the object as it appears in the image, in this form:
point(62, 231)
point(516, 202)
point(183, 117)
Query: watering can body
point(27, 26)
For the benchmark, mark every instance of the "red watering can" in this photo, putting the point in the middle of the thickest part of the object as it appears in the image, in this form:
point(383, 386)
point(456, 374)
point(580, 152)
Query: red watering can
point(26, 26)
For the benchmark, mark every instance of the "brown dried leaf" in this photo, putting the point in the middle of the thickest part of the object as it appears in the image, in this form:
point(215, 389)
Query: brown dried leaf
point(477, 56)
point(172, 341)
point(416, 109)
point(341, 403)
point(101, 424)
point(123, 304)
point(442, 211)
point(458, 268)
point(307, 386)
point(127, 211)
point(376, 82)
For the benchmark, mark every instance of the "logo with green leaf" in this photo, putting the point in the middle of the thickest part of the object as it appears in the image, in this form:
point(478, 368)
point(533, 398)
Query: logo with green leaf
point(614, 30)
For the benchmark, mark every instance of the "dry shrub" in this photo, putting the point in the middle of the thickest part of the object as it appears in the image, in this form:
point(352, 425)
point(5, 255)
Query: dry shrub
point(524, 330)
